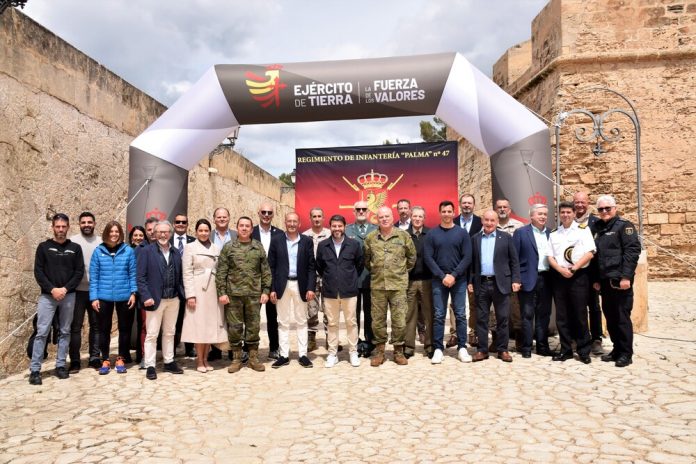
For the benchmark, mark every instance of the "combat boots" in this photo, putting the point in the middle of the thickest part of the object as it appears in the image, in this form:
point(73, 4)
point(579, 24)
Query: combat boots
point(399, 357)
point(311, 341)
point(254, 362)
point(378, 356)
point(236, 361)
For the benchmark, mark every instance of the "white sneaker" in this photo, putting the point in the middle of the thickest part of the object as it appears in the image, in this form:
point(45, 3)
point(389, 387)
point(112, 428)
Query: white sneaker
point(331, 361)
point(464, 355)
point(437, 357)
point(354, 359)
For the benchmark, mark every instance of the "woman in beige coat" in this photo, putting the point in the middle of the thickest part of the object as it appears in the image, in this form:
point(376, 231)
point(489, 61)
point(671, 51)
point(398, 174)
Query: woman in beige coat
point(204, 320)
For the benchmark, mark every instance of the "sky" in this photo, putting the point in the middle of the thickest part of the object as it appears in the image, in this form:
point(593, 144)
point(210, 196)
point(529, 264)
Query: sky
point(163, 46)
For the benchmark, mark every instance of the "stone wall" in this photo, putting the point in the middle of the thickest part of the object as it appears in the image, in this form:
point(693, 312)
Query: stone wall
point(65, 126)
point(646, 50)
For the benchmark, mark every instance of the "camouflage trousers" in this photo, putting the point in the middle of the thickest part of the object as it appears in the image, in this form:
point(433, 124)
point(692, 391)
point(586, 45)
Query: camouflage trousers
point(243, 315)
point(395, 301)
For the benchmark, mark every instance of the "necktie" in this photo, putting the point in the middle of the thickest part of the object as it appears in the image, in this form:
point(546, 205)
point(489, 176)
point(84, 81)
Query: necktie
point(181, 245)
point(362, 229)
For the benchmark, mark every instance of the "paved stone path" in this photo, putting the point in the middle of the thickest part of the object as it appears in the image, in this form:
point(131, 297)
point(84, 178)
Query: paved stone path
point(533, 410)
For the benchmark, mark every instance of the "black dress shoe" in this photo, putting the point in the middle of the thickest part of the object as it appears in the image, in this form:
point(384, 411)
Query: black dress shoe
point(526, 354)
point(151, 374)
point(74, 367)
point(563, 356)
point(585, 359)
point(173, 368)
point(609, 357)
point(544, 352)
point(305, 362)
point(35, 378)
point(623, 361)
point(273, 354)
point(62, 372)
point(280, 362)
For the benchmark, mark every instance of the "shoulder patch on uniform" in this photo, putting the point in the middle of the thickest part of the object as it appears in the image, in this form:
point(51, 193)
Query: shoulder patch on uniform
point(629, 230)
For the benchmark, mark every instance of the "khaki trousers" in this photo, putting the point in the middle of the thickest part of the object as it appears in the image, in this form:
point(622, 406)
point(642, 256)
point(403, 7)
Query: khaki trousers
point(332, 310)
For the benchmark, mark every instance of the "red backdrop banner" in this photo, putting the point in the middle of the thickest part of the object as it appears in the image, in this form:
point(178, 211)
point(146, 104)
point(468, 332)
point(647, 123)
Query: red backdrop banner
point(335, 178)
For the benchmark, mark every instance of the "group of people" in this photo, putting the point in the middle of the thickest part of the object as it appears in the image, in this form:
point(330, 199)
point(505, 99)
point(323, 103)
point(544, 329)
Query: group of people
point(207, 290)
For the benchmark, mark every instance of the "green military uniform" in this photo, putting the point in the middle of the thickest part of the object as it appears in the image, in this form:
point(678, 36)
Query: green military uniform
point(243, 275)
point(389, 259)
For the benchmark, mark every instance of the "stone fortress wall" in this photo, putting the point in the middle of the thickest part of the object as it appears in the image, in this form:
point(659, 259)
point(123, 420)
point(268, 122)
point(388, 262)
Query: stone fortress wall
point(644, 49)
point(66, 123)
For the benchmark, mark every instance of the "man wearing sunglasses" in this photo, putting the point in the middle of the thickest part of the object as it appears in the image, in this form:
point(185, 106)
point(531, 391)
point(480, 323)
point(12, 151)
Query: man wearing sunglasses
point(263, 232)
point(358, 231)
point(179, 239)
point(618, 250)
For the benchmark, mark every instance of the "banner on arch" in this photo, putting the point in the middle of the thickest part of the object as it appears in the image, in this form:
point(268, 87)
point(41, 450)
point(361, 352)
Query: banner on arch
point(335, 178)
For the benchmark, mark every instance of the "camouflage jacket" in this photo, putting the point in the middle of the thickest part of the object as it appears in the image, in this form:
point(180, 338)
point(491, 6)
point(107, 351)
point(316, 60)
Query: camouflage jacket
point(243, 270)
point(389, 259)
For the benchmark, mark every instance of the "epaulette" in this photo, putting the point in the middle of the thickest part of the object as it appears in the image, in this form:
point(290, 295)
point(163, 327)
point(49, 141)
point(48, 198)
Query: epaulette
point(583, 225)
point(554, 230)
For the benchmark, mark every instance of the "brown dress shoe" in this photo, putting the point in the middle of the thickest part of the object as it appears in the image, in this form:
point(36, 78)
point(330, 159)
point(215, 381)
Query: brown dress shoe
point(479, 356)
point(505, 356)
point(453, 341)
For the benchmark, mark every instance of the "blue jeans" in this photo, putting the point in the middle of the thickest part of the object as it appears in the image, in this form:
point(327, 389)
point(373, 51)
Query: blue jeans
point(440, 296)
point(46, 309)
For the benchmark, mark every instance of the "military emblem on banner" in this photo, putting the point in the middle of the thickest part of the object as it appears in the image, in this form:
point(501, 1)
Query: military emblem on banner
point(372, 187)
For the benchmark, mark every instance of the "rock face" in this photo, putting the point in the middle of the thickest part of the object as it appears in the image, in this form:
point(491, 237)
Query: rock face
point(645, 50)
point(65, 126)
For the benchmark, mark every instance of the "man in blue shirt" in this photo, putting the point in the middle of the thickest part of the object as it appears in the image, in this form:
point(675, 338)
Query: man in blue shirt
point(447, 254)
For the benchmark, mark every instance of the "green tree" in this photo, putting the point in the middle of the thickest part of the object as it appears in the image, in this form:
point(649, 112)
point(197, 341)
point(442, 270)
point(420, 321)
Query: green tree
point(286, 179)
point(435, 131)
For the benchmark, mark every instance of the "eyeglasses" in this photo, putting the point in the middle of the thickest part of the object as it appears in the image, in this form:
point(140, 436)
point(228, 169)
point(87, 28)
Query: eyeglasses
point(360, 210)
point(266, 213)
point(180, 222)
point(605, 209)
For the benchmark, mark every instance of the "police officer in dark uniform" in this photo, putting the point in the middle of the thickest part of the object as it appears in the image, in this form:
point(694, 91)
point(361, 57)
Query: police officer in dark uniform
point(618, 249)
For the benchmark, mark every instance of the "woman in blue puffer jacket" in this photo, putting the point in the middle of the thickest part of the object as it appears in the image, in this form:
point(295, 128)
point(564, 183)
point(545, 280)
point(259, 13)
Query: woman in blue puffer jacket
point(112, 284)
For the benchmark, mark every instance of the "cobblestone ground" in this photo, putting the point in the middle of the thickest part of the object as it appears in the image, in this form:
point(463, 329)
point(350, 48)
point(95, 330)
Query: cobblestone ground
point(533, 410)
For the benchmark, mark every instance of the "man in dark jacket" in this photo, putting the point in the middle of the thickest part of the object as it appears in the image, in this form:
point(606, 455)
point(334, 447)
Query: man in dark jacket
point(618, 250)
point(291, 258)
point(58, 269)
point(420, 289)
point(160, 286)
point(339, 263)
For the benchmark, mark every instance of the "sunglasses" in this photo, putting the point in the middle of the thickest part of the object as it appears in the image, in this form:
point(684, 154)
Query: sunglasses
point(180, 222)
point(360, 210)
point(266, 213)
point(604, 209)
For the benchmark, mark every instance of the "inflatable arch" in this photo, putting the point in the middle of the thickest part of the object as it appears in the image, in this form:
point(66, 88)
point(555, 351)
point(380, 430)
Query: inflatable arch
point(446, 85)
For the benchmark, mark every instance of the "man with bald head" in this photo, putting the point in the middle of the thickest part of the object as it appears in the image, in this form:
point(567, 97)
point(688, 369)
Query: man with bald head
point(585, 219)
point(389, 255)
point(495, 275)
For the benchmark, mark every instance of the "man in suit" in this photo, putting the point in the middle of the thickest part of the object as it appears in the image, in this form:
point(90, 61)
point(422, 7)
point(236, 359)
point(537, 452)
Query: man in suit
point(531, 242)
point(472, 223)
point(495, 274)
point(161, 288)
point(293, 279)
point(179, 239)
point(585, 218)
point(358, 231)
point(263, 232)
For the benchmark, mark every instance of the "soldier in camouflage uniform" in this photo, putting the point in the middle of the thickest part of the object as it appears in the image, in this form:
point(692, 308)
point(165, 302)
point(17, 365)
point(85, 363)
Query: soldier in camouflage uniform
point(243, 281)
point(389, 255)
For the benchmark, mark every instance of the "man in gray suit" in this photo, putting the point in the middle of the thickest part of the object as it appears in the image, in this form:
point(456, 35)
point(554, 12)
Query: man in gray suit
point(495, 274)
point(358, 231)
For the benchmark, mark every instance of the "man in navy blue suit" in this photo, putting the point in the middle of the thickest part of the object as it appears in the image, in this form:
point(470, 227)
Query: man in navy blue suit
point(291, 257)
point(531, 242)
point(495, 274)
point(161, 287)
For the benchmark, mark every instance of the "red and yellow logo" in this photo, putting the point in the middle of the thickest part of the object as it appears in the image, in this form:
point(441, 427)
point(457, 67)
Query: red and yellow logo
point(266, 88)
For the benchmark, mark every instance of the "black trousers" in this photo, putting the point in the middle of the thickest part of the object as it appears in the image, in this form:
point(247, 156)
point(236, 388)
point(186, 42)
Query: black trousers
point(125, 323)
point(84, 305)
point(570, 296)
point(617, 305)
point(364, 305)
point(272, 326)
point(535, 312)
point(188, 347)
point(595, 311)
point(484, 295)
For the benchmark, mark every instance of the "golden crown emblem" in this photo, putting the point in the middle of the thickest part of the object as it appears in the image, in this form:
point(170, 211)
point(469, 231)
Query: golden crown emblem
point(537, 199)
point(373, 179)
